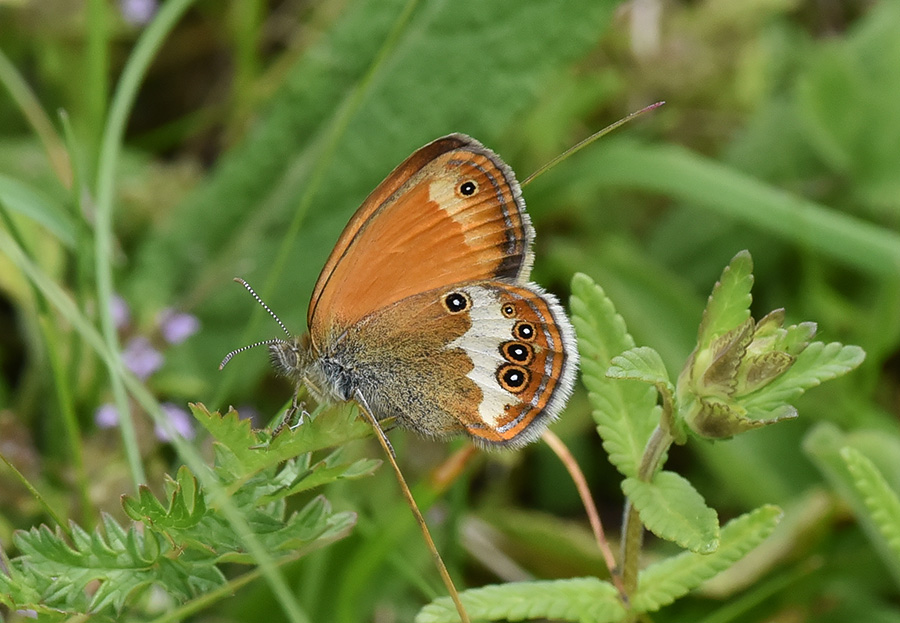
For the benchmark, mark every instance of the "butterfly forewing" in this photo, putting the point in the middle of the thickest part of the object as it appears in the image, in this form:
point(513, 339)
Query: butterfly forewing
point(452, 212)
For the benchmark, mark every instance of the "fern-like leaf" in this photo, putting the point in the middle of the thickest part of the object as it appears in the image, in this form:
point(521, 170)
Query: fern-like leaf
point(588, 600)
point(625, 410)
point(251, 451)
point(881, 501)
point(664, 582)
point(117, 563)
point(187, 505)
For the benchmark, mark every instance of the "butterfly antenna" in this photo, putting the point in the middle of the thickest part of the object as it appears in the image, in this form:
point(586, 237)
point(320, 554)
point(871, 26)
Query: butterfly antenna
point(266, 307)
point(249, 346)
point(593, 137)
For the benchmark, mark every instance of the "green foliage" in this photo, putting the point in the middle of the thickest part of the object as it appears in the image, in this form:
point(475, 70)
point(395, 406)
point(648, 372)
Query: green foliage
point(741, 371)
point(578, 599)
point(626, 411)
point(881, 501)
point(672, 509)
point(729, 304)
point(861, 483)
point(665, 581)
point(181, 542)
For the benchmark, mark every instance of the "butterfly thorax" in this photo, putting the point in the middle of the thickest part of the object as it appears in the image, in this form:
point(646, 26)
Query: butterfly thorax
point(326, 378)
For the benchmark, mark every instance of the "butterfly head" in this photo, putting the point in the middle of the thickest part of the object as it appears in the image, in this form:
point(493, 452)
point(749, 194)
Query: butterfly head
point(291, 358)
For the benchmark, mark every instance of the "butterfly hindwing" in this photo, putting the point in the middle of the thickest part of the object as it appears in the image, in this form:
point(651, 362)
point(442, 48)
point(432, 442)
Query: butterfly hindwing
point(490, 359)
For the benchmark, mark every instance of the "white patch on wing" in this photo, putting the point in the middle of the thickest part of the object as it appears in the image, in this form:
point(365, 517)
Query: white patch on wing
point(489, 329)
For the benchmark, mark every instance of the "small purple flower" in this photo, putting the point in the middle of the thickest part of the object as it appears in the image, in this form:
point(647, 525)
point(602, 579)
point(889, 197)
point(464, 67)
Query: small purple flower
point(180, 420)
point(177, 326)
point(28, 613)
point(106, 416)
point(119, 311)
point(138, 12)
point(141, 358)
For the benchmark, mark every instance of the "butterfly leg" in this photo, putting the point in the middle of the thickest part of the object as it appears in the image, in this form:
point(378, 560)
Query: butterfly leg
point(295, 415)
point(364, 407)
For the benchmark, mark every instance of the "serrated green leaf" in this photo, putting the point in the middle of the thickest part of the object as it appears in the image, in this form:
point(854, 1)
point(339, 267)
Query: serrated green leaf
point(796, 337)
point(116, 564)
point(321, 474)
point(673, 510)
point(187, 506)
point(625, 410)
point(662, 583)
point(312, 527)
point(642, 364)
point(588, 600)
point(824, 445)
point(819, 362)
point(729, 304)
point(250, 451)
point(881, 501)
point(20, 586)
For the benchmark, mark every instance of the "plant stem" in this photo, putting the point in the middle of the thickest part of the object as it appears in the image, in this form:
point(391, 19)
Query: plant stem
point(633, 532)
point(590, 508)
point(411, 502)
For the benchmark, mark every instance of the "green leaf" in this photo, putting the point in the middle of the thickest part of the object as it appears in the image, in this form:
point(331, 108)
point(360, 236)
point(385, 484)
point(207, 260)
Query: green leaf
point(625, 410)
point(249, 450)
point(117, 563)
point(20, 198)
point(641, 364)
point(322, 473)
point(826, 445)
point(314, 526)
point(577, 599)
point(881, 501)
point(662, 583)
point(673, 510)
point(817, 363)
point(187, 505)
point(728, 306)
point(685, 176)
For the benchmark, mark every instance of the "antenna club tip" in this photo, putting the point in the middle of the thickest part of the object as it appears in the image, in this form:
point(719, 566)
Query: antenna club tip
point(239, 280)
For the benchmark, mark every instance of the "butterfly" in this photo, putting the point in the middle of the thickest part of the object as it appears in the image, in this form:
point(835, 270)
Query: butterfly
point(424, 311)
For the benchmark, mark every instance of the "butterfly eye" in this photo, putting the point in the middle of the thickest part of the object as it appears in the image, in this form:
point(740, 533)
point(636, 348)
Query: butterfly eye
point(524, 331)
point(468, 188)
point(512, 378)
point(517, 352)
point(508, 310)
point(456, 302)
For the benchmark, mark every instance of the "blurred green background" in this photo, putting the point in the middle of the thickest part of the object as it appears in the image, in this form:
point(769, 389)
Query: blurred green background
point(261, 126)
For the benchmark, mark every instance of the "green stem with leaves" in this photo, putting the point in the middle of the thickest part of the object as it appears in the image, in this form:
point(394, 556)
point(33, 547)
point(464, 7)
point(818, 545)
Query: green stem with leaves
point(633, 532)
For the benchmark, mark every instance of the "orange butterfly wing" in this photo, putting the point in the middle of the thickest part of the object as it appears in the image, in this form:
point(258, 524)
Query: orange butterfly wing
point(452, 212)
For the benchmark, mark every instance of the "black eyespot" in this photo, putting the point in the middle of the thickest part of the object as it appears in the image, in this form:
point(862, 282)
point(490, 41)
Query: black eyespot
point(517, 352)
point(512, 378)
point(508, 310)
point(468, 188)
point(524, 331)
point(456, 302)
